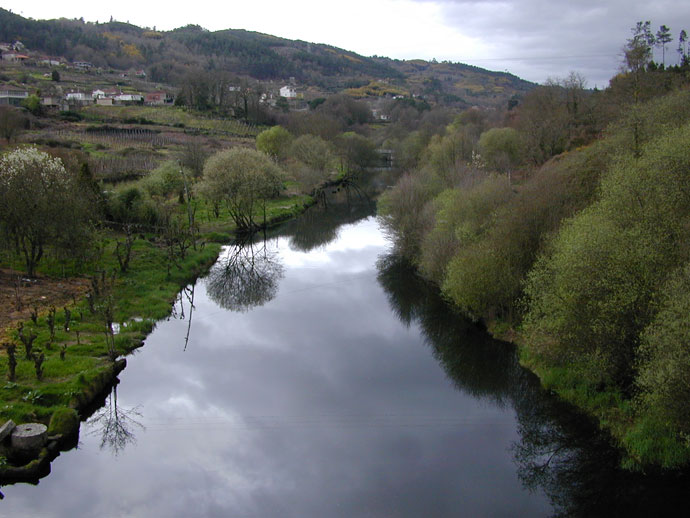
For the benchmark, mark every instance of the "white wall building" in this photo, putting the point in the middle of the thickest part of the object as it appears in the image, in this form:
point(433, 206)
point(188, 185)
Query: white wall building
point(129, 98)
point(77, 96)
point(288, 92)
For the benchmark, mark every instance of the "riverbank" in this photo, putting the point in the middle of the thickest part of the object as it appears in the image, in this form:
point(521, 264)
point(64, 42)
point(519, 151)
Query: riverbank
point(79, 352)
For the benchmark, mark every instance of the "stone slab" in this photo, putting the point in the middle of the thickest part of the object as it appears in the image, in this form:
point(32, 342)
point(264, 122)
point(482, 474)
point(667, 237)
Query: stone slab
point(6, 429)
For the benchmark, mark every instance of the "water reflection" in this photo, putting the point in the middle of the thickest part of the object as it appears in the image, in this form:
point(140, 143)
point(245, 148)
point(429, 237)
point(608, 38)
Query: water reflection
point(320, 225)
point(322, 403)
point(179, 312)
point(115, 425)
point(559, 451)
point(474, 362)
point(246, 276)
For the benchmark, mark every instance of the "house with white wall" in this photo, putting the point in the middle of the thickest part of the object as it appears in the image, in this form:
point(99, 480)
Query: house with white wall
point(77, 97)
point(12, 96)
point(289, 92)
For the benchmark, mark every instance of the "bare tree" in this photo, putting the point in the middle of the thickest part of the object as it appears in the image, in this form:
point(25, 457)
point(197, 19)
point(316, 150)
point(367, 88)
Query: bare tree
point(115, 425)
point(246, 277)
point(11, 122)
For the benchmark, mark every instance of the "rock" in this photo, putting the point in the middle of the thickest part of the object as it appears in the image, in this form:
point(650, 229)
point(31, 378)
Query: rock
point(7, 429)
point(29, 436)
point(64, 421)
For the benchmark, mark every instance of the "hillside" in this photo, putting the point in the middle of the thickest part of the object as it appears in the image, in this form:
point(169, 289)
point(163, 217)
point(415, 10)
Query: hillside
point(171, 57)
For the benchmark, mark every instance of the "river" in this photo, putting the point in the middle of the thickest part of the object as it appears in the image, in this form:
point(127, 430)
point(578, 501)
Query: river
point(313, 374)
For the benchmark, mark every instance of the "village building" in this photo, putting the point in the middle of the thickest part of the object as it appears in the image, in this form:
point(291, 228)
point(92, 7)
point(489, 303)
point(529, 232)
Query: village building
point(14, 57)
point(289, 92)
point(82, 65)
point(12, 96)
point(157, 98)
point(50, 62)
point(129, 98)
point(52, 101)
point(77, 97)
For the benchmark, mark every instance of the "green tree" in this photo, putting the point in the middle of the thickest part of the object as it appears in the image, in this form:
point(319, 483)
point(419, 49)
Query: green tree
point(356, 152)
point(41, 205)
point(33, 104)
point(312, 151)
point(283, 104)
point(274, 142)
point(310, 160)
point(638, 49)
point(244, 179)
point(166, 180)
point(591, 294)
point(664, 366)
point(55, 76)
point(663, 36)
point(682, 46)
point(501, 149)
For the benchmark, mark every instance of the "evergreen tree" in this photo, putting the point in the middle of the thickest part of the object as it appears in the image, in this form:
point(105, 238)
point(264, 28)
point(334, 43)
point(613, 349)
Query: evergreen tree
point(663, 36)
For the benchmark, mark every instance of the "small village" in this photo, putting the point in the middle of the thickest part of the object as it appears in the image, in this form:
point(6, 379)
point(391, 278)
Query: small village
point(60, 97)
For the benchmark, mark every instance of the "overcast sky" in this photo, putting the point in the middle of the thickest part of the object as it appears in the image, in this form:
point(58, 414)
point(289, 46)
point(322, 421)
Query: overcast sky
point(534, 39)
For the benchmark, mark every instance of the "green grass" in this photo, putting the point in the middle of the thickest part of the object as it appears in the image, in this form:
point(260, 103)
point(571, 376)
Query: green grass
point(170, 116)
point(644, 440)
point(145, 292)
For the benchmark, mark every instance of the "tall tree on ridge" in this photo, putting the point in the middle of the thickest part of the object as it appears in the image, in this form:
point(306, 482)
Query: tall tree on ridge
point(663, 36)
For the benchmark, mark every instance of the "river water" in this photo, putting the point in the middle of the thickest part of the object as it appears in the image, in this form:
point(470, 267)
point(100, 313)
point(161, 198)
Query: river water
point(313, 374)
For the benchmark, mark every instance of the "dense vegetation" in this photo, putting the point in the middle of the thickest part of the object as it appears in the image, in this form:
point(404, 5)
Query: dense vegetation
point(567, 229)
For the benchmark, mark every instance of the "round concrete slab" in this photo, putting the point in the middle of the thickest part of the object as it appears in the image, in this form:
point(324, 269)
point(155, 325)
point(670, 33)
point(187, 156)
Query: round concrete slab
point(29, 436)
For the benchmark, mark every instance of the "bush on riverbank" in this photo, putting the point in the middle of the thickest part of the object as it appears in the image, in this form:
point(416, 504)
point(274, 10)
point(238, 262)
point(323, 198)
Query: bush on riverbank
point(588, 256)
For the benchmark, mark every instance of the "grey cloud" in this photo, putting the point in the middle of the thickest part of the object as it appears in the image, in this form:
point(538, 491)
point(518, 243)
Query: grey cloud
point(537, 39)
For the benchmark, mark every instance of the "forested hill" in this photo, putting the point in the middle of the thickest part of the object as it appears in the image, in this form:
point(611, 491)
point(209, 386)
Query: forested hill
point(171, 56)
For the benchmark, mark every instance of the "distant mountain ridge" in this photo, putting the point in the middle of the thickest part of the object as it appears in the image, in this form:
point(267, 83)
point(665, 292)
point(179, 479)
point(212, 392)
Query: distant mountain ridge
point(171, 56)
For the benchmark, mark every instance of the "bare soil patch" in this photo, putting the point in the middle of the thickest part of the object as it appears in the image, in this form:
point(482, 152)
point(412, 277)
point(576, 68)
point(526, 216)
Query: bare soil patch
point(19, 295)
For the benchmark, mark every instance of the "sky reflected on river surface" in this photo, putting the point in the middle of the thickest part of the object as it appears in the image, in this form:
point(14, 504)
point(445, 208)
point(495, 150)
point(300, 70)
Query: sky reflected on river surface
point(318, 402)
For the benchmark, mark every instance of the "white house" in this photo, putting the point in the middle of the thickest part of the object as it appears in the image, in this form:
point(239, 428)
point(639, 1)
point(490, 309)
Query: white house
point(97, 94)
point(129, 98)
point(288, 92)
point(50, 62)
point(12, 96)
point(77, 96)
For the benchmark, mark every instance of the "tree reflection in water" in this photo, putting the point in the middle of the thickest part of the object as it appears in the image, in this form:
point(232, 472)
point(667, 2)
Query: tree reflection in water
point(246, 277)
point(185, 295)
point(560, 451)
point(320, 225)
point(114, 424)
